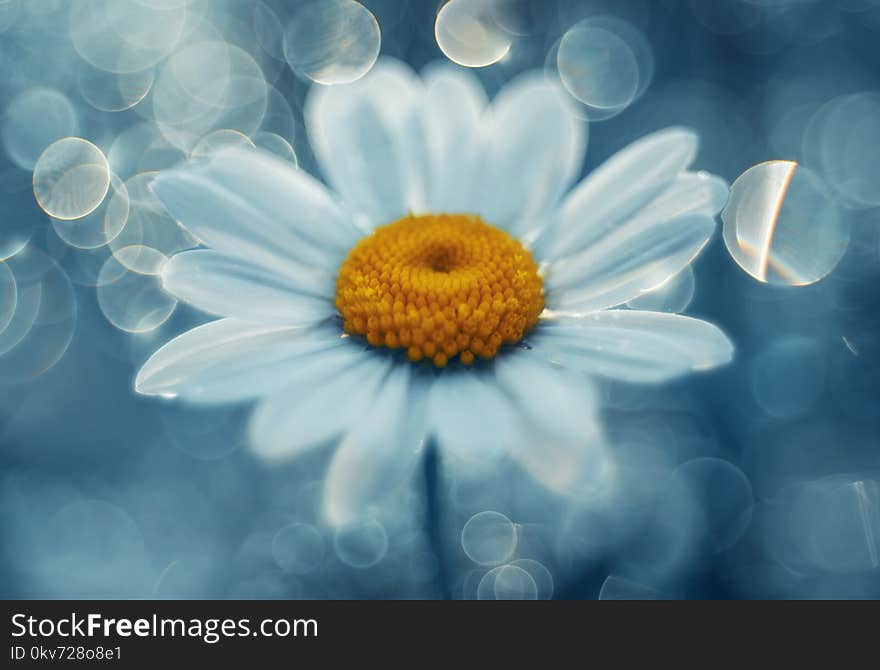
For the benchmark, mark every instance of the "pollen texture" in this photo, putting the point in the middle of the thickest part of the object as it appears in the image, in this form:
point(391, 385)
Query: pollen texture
point(439, 286)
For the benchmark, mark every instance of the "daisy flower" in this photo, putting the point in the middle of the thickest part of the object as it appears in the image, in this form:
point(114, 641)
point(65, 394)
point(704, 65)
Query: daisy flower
point(447, 284)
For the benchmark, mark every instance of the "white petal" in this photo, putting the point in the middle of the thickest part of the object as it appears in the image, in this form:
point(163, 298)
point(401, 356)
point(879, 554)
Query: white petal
point(470, 416)
point(631, 345)
point(369, 140)
point(454, 104)
point(229, 360)
point(619, 188)
point(690, 193)
point(534, 150)
point(562, 447)
point(637, 257)
point(644, 253)
point(378, 453)
point(321, 400)
point(250, 204)
point(553, 400)
point(222, 284)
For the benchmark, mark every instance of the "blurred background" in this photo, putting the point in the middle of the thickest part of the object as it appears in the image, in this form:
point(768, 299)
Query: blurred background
point(759, 480)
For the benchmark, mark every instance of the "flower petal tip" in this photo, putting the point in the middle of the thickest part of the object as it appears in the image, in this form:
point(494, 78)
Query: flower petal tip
point(142, 382)
point(721, 354)
point(682, 139)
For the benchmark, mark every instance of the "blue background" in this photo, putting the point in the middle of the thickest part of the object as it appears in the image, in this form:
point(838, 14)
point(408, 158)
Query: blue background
point(184, 510)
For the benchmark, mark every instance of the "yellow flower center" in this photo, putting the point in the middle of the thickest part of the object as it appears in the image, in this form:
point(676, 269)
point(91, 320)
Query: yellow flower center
point(440, 286)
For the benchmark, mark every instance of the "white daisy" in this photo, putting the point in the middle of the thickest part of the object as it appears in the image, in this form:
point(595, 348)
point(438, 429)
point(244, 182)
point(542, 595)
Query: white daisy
point(446, 284)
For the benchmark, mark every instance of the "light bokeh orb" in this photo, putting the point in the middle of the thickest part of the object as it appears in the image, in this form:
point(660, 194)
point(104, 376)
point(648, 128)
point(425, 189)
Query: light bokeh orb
point(788, 377)
point(603, 65)
point(835, 523)
point(111, 92)
point(208, 86)
point(488, 538)
point(468, 34)
point(33, 120)
point(71, 178)
point(543, 578)
point(724, 496)
point(507, 582)
point(782, 225)
point(99, 226)
point(42, 326)
point(332, 41)
point(8, 295)
point(218, 140)
point(597, 67)
point(133, 300)
point(850, 131)
point(362, 545)
point(147, 226)
point(125, 36)
point(275, 144)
